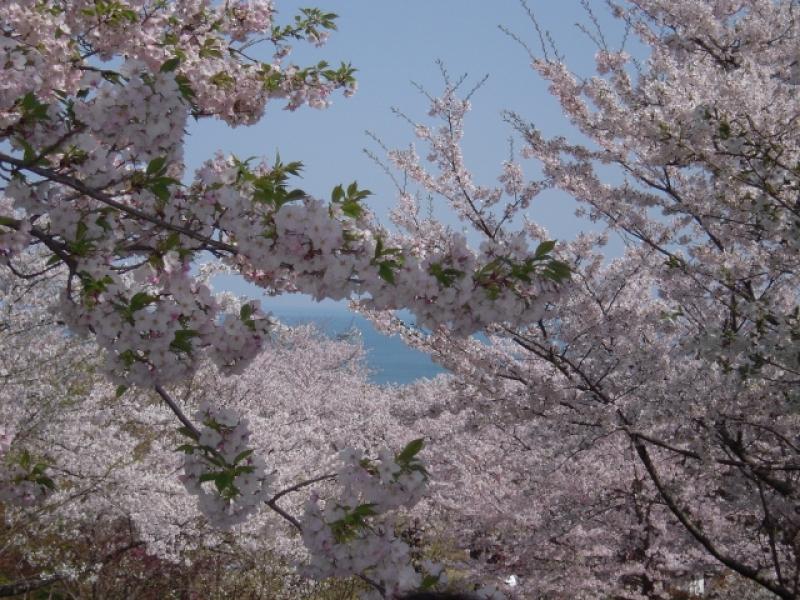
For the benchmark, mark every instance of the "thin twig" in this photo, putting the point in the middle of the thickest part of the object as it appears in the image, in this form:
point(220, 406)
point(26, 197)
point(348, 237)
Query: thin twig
point(176, 409)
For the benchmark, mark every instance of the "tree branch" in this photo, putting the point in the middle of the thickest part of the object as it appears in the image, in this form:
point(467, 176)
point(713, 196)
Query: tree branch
point(176, 409)
point(81, 187)
point(697, 533)
point(27, 585)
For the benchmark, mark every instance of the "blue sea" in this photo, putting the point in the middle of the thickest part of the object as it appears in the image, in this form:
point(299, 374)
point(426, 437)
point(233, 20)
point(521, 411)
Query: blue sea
point(388, 358)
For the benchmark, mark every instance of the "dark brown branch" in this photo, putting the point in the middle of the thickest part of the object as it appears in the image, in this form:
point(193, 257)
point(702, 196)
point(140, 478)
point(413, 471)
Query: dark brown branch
point(26, 586)
point(294, 522)
point(301, 485)
point(176, 409)
point(698, 534)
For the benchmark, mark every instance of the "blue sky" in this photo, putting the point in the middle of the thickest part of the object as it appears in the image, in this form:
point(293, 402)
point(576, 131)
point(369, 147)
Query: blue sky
point(394, 43)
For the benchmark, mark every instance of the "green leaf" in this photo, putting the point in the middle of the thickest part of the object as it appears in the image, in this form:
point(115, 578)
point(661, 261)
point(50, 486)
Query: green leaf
point(214, 459)
point(350, 199)
point(210, 49)
point(557, 271)
point(29, 154)
point(140, 300)
point(418, 467)
point(157, 166)
point(25, 460)
point(222, 79)
point(411, 450)
point(363, 510)
point(111, 77)
point(187, 432)
point(186, 448)
point(46, 482)
point(159, 187)
point(296, 194)
point(242, 455)
point(31, 108)
point(544, 248)
point(170, 65)
point(428, 582)
point(445, 276)
point(522, 271)
point(121, 389)
point(185, 88)
point(209, 476)
point(386, 272)
point(224, 480)
point(368, 466)
point(673, 262)
point(128, 357)
point(182, 341)
point(352, 209)
point(103, 222)
point(246, 311)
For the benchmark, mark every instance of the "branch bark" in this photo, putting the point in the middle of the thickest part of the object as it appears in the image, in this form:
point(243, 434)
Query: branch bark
point(27, 585)
point(698, 534)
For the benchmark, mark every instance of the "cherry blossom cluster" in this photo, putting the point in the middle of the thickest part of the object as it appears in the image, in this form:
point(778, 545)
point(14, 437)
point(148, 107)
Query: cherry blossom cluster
point(222, 470)
point(207, 45)
point(151, 321)
point(334, 250)
point(350, 534)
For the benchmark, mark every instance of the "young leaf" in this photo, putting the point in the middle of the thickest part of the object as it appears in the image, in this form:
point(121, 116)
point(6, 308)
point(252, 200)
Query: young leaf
point(386, 272)
point(170, 65)
point(246, 311)
point(411, 450)
point(544, 248)
point(337, 194)
point(187, 432)
point(223, 480)
point(242, 455)
point(156, 166)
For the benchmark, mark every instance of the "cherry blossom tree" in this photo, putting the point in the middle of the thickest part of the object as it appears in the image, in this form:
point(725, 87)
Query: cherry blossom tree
point(119, 518)
point(93, 106)
point(644, 428)
point(96, 172)
point(116, 469)
point(634, 425)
